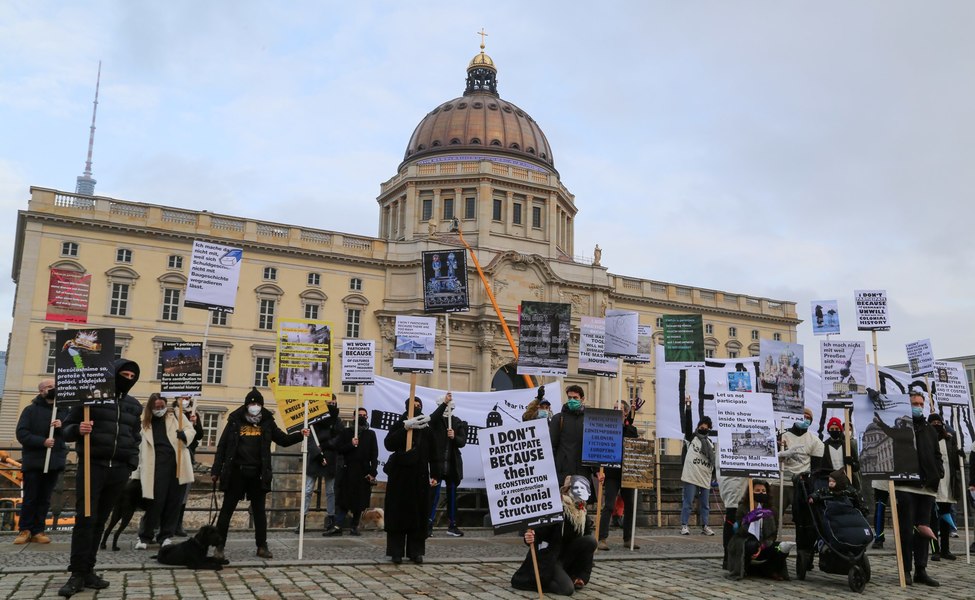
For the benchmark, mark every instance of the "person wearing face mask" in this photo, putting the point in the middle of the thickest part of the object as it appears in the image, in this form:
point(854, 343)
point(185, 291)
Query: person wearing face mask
point(565, 430)
point(801, 453)
point(754, 548)
point(323, 462)
point(698, 470)
point(186, 405)
point(949, 488)
point(834, 453)
point(242, 465)
point(564, 550)
point(360, 464)
point(538, 408)
point(449, 435)
point(161, 483)
point(115, 433)
point(613, 482)
point(34, 435)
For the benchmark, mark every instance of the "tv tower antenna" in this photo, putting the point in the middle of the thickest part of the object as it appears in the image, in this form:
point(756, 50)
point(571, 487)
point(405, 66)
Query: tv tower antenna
point(86, 184)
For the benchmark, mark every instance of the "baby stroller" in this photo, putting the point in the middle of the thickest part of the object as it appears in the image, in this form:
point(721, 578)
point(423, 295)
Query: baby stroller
point(840, 531)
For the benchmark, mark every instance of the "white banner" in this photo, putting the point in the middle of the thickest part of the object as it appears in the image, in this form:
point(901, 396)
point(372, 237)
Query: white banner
point(386, 401)
point(358, 361)
point(872, 310)
point(746, 434)
point(415, 341)
point(920, 358)
point(592, 361)
point(214, 271)
point(621, 332)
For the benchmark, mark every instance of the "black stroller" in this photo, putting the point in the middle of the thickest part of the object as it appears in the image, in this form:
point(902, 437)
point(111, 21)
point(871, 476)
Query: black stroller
point(835, 529)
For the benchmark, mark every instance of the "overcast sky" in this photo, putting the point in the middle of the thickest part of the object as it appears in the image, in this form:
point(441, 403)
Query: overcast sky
point(791, 150)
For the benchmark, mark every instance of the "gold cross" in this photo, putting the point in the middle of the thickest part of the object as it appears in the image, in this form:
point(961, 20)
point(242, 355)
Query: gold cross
point(482, 34)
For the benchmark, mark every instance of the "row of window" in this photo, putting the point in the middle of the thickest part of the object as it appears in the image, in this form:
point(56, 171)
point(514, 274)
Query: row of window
point(470, 211)
point(497, 213)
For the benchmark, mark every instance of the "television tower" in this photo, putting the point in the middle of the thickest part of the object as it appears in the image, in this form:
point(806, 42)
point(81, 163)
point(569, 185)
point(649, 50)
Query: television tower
point(86, 184)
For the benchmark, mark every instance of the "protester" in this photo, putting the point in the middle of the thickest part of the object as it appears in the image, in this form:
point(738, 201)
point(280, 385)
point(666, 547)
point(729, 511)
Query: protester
point(357, 473)
point(949, 488)
point(698, 470)
point(328, 429)
point(613, 482)
point(801, 453)
point(186, 405)
point(538, 408)
point(754, 549)
point(163, 482)
point(566, 433)
point(564, 550)
point(834, 452)
point(242, 466)
point(115, 435)
point(315, 470)
point(34, 435)
point(411, 472)
point(732, 489)
point(449, 436)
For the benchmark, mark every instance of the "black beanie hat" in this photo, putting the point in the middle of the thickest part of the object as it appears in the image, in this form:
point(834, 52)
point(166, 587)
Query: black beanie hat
point(705, 420)
point(935, 417)
point(253, 397)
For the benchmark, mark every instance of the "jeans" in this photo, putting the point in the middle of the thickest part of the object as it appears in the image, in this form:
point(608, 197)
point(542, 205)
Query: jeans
point(329, 493)
point(38, 487)
point(451, 503)
point(692, 491)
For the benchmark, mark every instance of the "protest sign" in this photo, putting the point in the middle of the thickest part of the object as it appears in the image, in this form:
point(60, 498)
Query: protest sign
point(746, 434)
point(887, 445)
point(872, 310)
point(83, 370)
point(825, 317)
point(621, 332)
point(920, 358)
point(638, 464)
point(602, 437)
point(644, 346)
point(543, 338)
point(592, 361)
point(683, 341)
point(444, 281)
point(304, 371)
point(519, 472)
point(844, 368)
point(415, 341)
point(358, 361)
point(182, 369)
point(740, 381)
point(214, 272)
point(781, 374)
point(67, 296)
point(951, 384)
point(385, 402)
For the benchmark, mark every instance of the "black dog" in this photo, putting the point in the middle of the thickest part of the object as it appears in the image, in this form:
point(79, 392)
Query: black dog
point(193, 552)
point(125, 506)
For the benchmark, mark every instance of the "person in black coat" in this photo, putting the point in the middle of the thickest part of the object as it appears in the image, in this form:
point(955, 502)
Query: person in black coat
point(613, 482)
point(242, 465)
point(115, 433)
point(565, 430)
point(185, 404)
point(360, 463)
point(33, 433)
point(449, 435)
point(411, 472)
point(326, 464)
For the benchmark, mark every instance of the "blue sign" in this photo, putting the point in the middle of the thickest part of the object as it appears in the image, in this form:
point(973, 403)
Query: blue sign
point(602, 437)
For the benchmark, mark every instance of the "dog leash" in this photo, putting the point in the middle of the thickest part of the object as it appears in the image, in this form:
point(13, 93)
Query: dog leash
point(213, 503)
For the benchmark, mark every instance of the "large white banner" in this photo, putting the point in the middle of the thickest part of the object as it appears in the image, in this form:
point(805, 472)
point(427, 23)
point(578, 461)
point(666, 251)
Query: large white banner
point(386, 401)
point(214, 271)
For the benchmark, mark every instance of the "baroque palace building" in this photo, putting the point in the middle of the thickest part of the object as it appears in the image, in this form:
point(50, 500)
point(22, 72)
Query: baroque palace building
point(477, 161)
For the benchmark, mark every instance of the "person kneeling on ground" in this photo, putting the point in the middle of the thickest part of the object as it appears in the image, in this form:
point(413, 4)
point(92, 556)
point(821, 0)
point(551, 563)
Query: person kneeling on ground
point(564, 550)
point(754, 550)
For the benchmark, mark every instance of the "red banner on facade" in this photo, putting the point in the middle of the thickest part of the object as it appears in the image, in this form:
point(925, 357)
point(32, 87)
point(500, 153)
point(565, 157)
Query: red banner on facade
point(67, 296)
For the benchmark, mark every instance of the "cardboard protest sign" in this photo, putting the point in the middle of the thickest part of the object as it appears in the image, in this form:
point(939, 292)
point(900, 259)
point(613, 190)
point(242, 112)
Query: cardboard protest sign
point(415, 342)
point(639, 464)
point(519, 473)
point(592, 361)
point(358, 361)
point(920, 358)
point(644, 346)
point(844, 368)
point(602, 437)
point(67, 296)
point(951, 384)
point(781, 374)
point(304, 371)
point(444, 281)
point(621, 332)
point(683, 341)
point(887, 445)
point(83, 371)
point(746, 434)
point(825, 317)
point(182, 369)
point(385, 403)
point(214, 272)
point(543, 338)
point(872, 310)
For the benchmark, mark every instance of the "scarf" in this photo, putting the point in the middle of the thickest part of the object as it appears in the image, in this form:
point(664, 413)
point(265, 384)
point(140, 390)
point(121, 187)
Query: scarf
point(574, 515)
point(706, 446)
point(252, 420)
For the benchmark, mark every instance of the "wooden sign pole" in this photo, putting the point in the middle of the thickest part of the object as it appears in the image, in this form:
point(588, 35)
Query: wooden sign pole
point(656, 466)
point(409, 412)
point(538, 578)
point(848, 443)
point(599, 499)
point(87, 465)
point(751, 494)
point(890, 484)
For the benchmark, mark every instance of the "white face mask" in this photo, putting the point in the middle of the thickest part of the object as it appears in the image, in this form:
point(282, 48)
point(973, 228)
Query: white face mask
point(161, 412)
point(187, 404)
point(254, 410)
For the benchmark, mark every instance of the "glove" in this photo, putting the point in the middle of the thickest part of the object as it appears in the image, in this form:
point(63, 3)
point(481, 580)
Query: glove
point(758, 513)
point(849, 461)
point(421, 422)
point(181, 436)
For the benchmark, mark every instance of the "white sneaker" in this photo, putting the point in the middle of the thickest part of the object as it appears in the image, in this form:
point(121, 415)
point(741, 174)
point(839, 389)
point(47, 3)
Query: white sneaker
point(140, 545)
point(706, 531)
point(786, 547)
point(684, 530)
point(166, 542)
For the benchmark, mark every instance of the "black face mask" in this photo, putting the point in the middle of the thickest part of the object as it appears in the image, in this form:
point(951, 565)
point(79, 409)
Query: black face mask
point(941, 431)
point(703, 431)
point(761, 499)
point(363, 423)
point(833, 433)
point(51, 394)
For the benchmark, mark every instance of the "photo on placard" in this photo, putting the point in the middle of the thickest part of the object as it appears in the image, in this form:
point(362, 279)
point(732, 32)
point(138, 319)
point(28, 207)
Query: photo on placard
point(755, 441)
point(887, 445)
point(782, 375)
point(304, 355)
point(739, 381)
point(543, 338)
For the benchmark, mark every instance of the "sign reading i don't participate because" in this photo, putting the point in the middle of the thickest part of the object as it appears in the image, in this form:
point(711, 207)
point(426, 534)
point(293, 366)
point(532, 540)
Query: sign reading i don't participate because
point(519, 473)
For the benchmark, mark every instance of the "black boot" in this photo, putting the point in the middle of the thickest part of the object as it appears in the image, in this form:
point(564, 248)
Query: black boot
point(75, 584)
point(945, 531)
point(921, 576)
point(180, 532)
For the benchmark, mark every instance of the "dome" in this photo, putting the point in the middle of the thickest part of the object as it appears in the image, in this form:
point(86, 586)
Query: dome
point(480, 121)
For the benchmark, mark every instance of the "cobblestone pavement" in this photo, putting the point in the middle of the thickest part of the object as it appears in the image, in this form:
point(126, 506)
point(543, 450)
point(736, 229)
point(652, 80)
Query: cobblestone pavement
point(476, 566)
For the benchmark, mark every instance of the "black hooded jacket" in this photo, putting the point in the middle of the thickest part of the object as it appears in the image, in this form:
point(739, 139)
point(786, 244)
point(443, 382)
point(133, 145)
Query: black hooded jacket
point(226, 456)
point(116, 428)
point(32, 430)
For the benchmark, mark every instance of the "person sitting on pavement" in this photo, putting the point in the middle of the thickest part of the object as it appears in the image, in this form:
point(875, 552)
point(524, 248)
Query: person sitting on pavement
point(564, 550)
point(754, 549)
